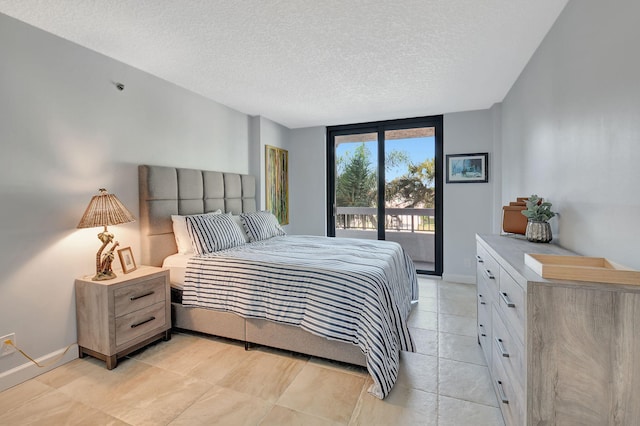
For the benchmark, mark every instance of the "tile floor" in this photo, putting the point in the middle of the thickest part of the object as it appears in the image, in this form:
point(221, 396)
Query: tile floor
point(196, 380)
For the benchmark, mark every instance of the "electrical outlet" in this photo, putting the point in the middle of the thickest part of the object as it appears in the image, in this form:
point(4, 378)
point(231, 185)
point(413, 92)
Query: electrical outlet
point(6, 349)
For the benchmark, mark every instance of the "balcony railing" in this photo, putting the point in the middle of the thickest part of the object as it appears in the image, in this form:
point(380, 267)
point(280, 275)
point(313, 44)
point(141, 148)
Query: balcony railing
point(395, 219)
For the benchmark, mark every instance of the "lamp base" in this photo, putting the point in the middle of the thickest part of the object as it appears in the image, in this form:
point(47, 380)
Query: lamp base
point(103, 263)
point(103, 276)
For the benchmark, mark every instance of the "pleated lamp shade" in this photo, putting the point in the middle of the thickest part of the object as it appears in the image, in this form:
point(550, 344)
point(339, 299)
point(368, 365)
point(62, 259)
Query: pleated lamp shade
point(105, 209)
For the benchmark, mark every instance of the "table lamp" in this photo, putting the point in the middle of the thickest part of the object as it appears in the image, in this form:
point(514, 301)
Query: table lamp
point(105, 209)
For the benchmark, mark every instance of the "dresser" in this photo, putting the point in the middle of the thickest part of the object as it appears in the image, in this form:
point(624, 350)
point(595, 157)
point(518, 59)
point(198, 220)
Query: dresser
point(559, 352)
point(118, 316)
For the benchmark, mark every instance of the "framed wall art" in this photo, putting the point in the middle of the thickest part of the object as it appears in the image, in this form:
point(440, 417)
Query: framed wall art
point(468, 168)
point(277, 182)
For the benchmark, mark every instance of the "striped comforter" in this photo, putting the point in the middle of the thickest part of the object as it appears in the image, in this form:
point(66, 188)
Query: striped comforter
point(356, 291)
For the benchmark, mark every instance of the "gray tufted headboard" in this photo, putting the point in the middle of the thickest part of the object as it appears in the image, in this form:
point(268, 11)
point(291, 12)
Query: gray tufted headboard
point(164, 191)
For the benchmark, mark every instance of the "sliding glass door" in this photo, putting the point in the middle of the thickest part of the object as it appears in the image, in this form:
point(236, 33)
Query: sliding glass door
point(384, 182)
point(356, 186)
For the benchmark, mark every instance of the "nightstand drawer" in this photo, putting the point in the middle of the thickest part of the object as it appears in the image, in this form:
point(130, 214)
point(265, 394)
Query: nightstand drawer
point(137, 323)
point(140, 295)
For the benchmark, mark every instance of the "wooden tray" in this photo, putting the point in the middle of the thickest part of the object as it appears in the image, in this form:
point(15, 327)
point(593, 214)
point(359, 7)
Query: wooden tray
point(581, 268)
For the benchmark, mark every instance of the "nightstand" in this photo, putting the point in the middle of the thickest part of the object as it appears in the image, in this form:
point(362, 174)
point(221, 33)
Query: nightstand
point(119, 316)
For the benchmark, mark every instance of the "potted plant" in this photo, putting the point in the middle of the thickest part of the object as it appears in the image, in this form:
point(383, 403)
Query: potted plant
point(538, 213)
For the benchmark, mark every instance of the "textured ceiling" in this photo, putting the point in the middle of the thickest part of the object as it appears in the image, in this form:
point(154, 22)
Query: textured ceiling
point(305, 63)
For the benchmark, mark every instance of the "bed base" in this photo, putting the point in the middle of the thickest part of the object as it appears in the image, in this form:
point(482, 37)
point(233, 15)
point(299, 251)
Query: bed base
point(262, 332)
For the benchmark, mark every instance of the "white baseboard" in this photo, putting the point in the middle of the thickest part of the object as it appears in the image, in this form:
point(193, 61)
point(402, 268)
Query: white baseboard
point(29, 370)
point(464, 279)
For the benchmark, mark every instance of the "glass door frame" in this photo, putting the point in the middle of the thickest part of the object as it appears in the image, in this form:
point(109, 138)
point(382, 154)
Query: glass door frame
point(380, 127)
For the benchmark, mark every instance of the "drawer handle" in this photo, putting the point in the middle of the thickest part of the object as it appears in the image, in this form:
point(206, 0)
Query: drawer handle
point(507, 300)
point(501, 348)
point(501, 393)
point(482, 334)
point(142, 322)
point(479, 259)
point(482, 302)
point(132, 298)
point(489, 274)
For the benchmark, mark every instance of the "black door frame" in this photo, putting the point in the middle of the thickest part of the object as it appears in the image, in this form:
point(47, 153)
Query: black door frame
point(380, 127)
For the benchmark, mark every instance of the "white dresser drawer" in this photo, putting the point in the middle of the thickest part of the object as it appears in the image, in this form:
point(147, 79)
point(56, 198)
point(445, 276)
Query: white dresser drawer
point(484, 319)
point(486, 295)
point(511, 304)
point(509, 349)
point(487, 268)
point(510, 395)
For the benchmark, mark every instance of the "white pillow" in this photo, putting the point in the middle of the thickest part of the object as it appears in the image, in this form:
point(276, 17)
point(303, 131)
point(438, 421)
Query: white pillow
point(261, 225)
point(238, 221)
point(183, 241)
point(210, 233)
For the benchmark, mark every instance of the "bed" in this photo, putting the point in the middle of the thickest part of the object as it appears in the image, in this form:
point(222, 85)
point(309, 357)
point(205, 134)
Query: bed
point(167, 191)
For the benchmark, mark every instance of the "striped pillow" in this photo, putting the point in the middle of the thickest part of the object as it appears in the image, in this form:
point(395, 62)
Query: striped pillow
point(211, 233)
point(261, 225)
point(183, 240)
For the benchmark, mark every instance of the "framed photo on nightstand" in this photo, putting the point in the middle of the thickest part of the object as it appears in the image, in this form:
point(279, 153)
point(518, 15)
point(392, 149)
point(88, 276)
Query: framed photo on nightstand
point(126, 260)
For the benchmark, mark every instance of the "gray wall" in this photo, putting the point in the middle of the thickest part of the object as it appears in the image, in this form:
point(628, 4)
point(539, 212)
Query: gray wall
point(65, 132)
point(571, 129)
point(468, 207)
point(307, 183)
